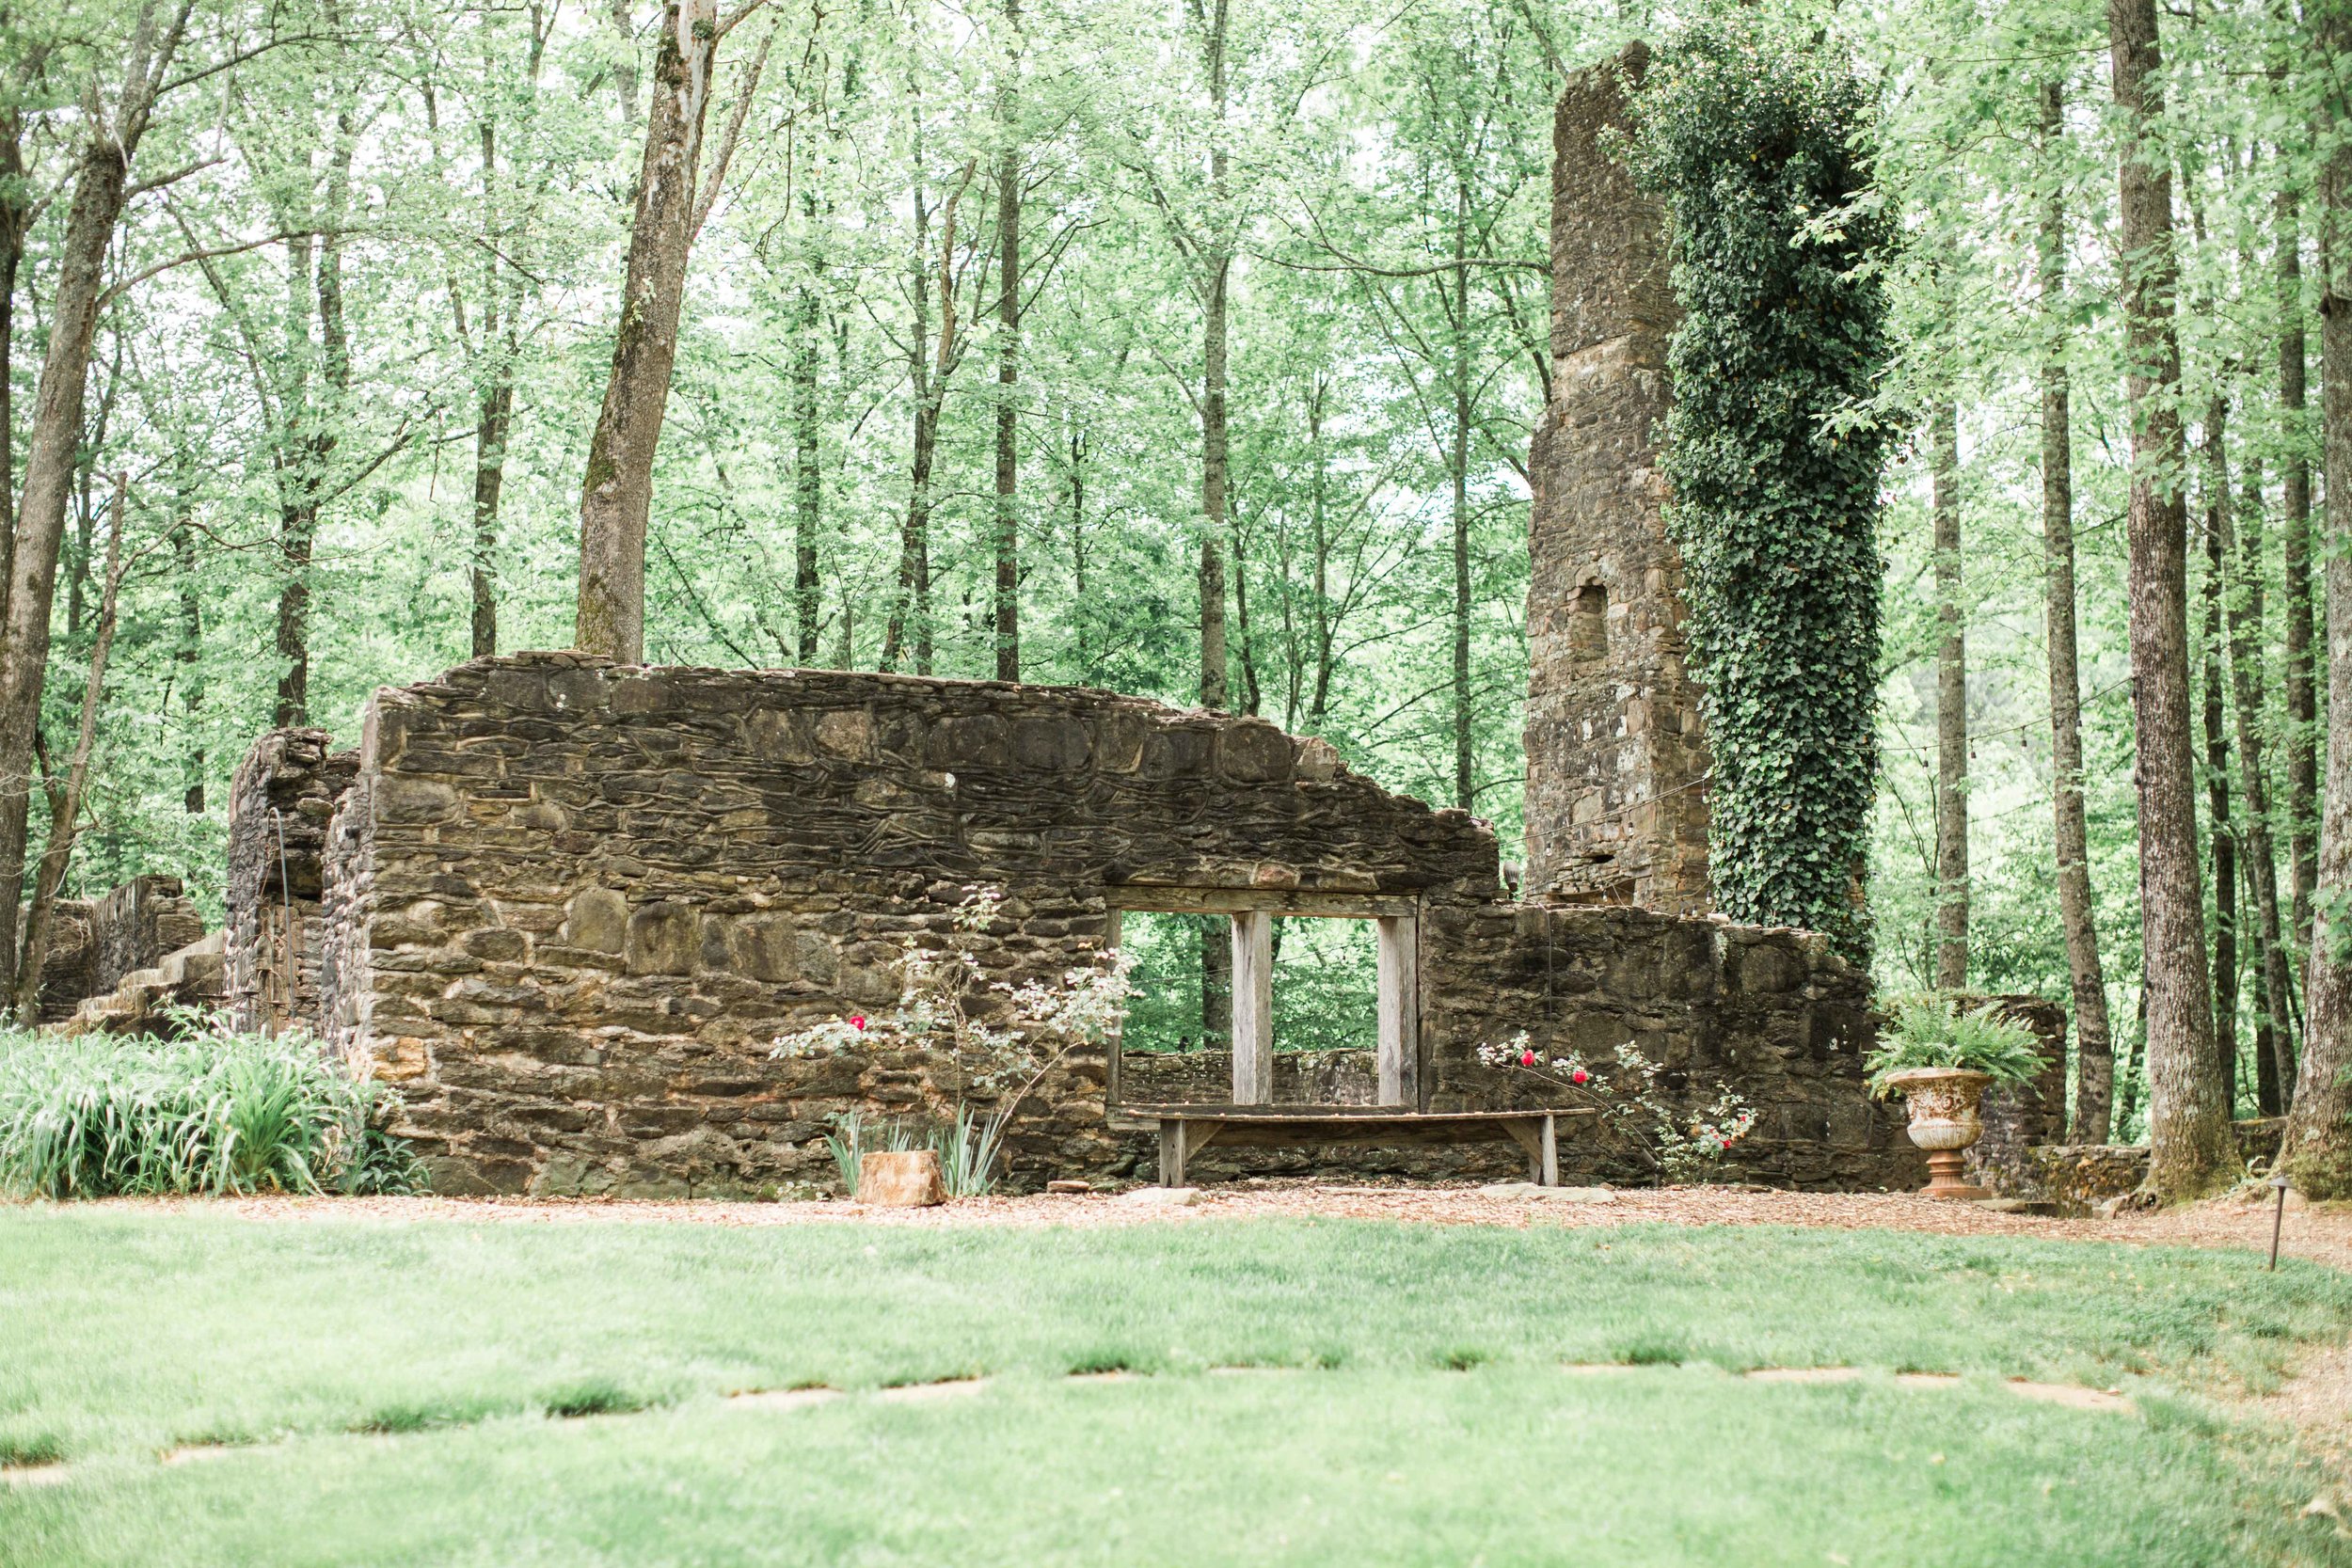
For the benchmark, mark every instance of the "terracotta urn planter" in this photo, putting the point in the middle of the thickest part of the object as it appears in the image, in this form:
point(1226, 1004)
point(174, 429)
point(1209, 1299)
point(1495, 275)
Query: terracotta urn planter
point(1943, 1101)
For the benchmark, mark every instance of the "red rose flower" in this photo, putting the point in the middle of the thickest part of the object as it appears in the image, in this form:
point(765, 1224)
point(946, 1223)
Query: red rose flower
point(1726, 1143)
point(1579, 1076)
point(1527, 1058)
point(857, 1021)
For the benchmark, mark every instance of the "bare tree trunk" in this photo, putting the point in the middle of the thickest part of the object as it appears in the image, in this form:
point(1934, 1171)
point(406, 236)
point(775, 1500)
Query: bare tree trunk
point(2302, 737)
point(2274, 1062)
point(16, 216)
point(914, 599)
point(1008, 603)
point(1214, 473)
point(101, 178)
point(494, 419)
point(1457, 465)
point(808, 478)
point(1951, 710)
point(2190, 1148)
point(190, 653)
point(625, 71)
point(66, 804)
point(2094, 1041)
point(1317, 511)
point(2316, 1153)
point(616, 495)
point(2221, 821)
point(312, 438)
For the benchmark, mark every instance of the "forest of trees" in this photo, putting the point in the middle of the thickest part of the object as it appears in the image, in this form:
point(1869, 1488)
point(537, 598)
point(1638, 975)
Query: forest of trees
point(1190, 348)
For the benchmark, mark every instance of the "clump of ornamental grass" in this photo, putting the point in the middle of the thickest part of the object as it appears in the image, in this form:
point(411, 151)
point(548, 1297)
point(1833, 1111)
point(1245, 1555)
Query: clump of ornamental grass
point(205, 1110)
point(1937, 1030)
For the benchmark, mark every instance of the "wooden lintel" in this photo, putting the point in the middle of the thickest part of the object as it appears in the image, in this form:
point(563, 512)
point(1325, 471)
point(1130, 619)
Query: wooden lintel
point(1207, 900)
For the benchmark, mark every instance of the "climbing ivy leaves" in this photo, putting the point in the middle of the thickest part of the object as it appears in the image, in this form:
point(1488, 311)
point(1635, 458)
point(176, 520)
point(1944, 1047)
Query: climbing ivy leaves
point(1762, 153)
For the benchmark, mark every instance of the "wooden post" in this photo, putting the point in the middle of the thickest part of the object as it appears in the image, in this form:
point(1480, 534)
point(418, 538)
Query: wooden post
point(1253, 1007)
point(1400, 1011)
point(1548, 1173)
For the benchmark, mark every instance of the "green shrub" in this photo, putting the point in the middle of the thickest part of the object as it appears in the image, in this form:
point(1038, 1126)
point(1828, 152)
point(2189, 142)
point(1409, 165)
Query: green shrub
point(1933, 1030)
point(208, 1110)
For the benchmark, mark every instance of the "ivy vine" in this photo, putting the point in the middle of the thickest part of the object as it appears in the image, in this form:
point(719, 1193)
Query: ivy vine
point(1762, 153)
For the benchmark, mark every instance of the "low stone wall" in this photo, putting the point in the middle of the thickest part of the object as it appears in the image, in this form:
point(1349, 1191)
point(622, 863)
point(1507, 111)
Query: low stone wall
point(137, 926)
point(565, 906)
point(1206, 1077)
point(2075, 1179)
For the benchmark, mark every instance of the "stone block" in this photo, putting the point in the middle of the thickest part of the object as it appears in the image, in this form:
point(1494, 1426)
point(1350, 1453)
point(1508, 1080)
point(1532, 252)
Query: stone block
point(902, 1181)
point(596, 919)
point(663, 939)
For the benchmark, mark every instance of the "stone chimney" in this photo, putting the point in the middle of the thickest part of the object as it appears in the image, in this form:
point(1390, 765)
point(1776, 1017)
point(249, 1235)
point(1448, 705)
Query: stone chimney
point(1616, 762)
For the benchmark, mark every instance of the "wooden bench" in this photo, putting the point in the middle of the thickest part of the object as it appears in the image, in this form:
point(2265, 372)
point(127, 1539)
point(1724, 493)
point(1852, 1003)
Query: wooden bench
point(1186, 1130)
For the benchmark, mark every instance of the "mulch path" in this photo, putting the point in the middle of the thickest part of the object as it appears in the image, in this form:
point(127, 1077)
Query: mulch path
point(2320, 1232)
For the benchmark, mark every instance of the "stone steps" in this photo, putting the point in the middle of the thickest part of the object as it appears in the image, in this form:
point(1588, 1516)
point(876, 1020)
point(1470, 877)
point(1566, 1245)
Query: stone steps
point(195, 977)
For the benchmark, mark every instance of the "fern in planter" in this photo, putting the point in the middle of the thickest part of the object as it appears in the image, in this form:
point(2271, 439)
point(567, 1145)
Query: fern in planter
point(1935, 1031)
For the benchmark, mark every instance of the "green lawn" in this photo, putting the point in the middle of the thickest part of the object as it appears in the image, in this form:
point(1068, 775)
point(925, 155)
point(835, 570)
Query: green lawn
point(397, 1380)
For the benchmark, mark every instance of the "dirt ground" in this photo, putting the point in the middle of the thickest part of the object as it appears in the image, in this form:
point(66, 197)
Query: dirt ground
point(2322, 1233)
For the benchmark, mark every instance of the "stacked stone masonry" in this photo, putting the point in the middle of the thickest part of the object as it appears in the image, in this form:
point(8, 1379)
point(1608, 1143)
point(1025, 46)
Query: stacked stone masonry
point(1617, 759)
point(565, 906)
point(280, 802)
point(96, 945)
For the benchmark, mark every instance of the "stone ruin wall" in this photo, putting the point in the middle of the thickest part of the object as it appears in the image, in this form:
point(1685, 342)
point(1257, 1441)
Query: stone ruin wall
point(280, 803)
point(565, 906)
point(1616, 761)
point(97, 944)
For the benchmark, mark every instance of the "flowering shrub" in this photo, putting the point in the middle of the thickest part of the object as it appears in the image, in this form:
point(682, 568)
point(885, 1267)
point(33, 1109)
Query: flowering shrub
point(1631, 1104)
point(1003, 1057)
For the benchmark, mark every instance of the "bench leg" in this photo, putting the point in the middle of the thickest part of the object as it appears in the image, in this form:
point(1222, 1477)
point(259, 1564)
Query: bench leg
point(1549, 1174)
point(1171, 1153)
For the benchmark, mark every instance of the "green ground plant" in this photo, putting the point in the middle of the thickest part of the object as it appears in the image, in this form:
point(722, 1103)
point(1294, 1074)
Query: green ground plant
point(405, 1393)
point(1935, 1030)
point(205, 1110)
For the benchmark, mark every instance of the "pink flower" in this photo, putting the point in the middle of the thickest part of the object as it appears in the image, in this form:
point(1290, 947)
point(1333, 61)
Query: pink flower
point(857, 1021)
point(1579, 1076)
point(1527, 1058)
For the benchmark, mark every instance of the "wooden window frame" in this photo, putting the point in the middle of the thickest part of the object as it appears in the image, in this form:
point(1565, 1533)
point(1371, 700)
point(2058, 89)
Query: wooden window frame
point(1396, 926)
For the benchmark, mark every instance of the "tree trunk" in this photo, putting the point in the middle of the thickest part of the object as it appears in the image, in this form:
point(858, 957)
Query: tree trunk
point(190, 653)
point(1317, 511)
point(1008, 603)
point(494, 418)
point(100, 176)
point(2094, 1040)
point(2220, 821)
point(914, 599)
point(2316, 1154)
point(1457, 467)
point(2274, 1059)
point(808, 491)
point(1951, 712)
point(2190, 1148)
point(625, 71)
point(616, 496)
point(2302, 736)
point(1217, 950)
point(1218, 267)
point(66, 804)
point(16, 216)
